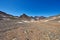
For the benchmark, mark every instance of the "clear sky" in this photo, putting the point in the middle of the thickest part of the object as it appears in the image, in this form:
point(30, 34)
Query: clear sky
point(30, 7)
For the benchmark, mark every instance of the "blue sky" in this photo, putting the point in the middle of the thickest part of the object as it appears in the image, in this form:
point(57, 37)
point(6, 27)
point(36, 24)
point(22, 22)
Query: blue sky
point(31, 7)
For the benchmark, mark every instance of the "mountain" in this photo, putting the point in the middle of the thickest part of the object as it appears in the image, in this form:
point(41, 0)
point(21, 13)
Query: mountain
point(39, 17)
point(6, 16)
point(55, 18)
point(3, 14)
point(24, 17)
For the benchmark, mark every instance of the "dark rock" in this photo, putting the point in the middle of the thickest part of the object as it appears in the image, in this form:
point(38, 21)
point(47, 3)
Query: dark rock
point(24, 17)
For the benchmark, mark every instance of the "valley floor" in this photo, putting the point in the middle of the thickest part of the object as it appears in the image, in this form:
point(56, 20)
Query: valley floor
point(11, 30)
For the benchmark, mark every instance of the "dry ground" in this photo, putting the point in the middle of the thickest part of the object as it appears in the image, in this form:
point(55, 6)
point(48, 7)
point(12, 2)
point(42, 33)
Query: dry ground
point(29, 31)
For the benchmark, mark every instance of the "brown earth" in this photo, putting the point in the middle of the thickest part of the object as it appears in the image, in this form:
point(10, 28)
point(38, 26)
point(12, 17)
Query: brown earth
point(29, 31)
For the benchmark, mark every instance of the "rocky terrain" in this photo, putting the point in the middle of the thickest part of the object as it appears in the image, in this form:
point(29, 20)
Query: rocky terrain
point(28, 28)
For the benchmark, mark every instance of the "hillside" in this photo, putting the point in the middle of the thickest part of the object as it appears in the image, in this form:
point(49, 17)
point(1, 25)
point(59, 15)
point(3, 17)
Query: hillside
point(17, 29)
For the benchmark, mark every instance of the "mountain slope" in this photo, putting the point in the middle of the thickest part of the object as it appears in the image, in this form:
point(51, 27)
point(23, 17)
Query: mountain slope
point(37, 30)
point(24, 17)
point(6, 16)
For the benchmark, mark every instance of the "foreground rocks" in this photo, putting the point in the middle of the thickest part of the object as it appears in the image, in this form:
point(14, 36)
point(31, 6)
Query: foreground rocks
point(10, 30)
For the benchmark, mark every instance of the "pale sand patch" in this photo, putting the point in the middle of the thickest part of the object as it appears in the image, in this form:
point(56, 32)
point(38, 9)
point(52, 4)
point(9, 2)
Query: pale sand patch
point(19, 22)
point(59, 21)
point(45, 20)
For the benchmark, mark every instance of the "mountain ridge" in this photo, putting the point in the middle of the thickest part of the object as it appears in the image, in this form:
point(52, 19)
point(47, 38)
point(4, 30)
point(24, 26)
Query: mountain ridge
point(4, 16)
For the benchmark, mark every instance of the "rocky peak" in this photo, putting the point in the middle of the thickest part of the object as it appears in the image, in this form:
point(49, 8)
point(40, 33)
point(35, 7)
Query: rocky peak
point(24, 17)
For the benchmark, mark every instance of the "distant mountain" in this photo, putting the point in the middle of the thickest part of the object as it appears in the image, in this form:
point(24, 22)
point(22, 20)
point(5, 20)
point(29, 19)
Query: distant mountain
point(6, 16)
point(3, 14)
point(39, 17)
point(55, 18)
point(25, 17)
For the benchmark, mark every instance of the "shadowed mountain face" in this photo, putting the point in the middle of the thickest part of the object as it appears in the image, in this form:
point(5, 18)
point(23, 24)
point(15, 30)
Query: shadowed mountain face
point(6, 16)
point(3, 14)
point(24, 17)
point(36, 30)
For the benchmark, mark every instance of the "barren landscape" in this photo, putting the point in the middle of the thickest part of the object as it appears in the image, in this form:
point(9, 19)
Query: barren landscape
point(23, 29)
